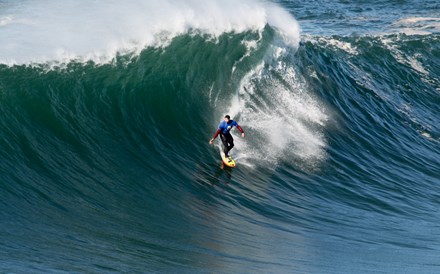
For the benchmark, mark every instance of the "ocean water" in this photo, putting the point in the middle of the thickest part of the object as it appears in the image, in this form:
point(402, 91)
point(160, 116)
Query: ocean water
point(107, 109)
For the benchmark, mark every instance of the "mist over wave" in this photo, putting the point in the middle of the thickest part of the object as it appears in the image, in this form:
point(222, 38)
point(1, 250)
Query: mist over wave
point(41, 31)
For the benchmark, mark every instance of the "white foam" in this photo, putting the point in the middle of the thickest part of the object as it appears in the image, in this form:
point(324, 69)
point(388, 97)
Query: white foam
point(48, 30)
point(417, 25)
point(412, 20)
point(5, 20)
point(332, 42)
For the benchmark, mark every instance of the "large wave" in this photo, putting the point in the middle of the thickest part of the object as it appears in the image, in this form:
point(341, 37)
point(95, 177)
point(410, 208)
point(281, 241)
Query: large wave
point(106, 116)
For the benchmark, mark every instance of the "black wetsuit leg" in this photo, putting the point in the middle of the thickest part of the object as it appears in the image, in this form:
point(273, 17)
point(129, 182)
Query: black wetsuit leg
point(228, 143)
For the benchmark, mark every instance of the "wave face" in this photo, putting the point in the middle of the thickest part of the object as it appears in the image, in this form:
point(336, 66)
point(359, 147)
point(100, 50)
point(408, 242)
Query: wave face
point(107, 111)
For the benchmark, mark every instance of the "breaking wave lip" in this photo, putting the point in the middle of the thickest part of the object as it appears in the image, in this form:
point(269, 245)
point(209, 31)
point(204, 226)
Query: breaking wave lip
point(98, 31)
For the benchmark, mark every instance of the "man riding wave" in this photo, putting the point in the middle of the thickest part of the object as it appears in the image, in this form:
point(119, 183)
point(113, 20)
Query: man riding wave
point(224, 130)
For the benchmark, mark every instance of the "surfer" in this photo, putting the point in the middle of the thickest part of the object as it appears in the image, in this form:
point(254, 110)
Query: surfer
point(224, 130)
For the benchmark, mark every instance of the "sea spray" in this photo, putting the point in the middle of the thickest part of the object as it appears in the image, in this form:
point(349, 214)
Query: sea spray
point(43, 31)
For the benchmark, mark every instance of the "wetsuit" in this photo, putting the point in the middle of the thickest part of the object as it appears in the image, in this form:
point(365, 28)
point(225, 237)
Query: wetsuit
point(224, 131)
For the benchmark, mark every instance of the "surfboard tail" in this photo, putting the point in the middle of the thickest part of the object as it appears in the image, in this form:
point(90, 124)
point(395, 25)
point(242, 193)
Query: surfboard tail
point(228, 161)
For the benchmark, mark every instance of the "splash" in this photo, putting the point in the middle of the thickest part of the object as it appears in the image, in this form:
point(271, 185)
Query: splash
point(284, 119)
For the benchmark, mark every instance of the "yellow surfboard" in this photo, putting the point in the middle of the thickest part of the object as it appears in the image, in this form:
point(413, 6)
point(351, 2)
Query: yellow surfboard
point(227, 161)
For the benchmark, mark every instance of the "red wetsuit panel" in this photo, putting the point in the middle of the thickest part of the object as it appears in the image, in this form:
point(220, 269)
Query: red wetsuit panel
point(240, 129)
point(216, 134)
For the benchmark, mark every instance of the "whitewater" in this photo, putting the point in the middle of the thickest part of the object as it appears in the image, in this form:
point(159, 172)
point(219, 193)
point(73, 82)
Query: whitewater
point(84, 30)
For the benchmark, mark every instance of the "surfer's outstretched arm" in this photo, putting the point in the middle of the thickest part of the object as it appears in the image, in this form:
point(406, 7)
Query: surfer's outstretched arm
point(241, 130)
point(215, 136)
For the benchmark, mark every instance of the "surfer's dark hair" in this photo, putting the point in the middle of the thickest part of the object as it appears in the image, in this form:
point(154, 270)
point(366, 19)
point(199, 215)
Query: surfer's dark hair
point(227, 116)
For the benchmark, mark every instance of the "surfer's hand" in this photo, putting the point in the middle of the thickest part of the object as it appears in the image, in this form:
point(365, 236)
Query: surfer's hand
point(210, 141)
point(242, 135)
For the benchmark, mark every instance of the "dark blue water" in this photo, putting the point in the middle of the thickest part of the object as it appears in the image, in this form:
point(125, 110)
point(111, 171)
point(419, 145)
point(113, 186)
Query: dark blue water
point(105, 158)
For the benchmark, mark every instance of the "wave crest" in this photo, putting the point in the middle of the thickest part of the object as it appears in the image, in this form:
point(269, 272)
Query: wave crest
point(81, 30)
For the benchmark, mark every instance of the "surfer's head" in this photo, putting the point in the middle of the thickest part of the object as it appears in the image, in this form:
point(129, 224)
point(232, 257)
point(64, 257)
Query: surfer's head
point(227, 118)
